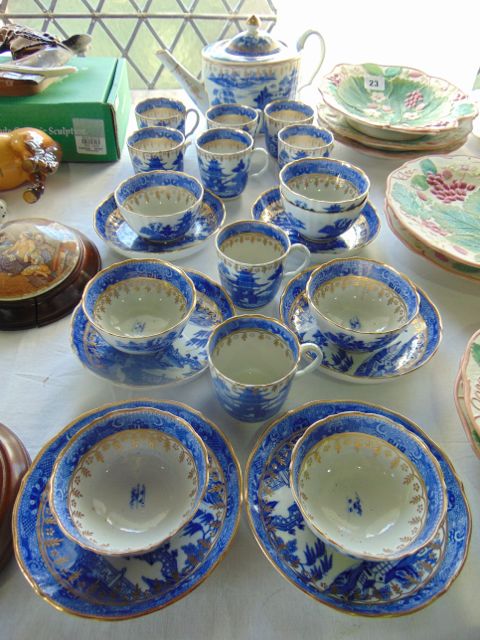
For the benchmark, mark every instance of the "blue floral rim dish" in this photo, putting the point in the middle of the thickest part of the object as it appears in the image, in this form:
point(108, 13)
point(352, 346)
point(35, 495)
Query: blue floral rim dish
point(357, 587)
point(185, 358)
point(113, 229)
point(104, 588)
point(413, 348)
point(268, 207)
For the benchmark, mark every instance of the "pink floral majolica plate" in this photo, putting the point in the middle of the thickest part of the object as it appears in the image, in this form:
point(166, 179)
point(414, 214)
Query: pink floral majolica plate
point(437, 200)
point(459, 397)
point(470, 369)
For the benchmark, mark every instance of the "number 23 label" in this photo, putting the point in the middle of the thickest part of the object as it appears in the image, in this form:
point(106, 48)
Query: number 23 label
point(374, 83)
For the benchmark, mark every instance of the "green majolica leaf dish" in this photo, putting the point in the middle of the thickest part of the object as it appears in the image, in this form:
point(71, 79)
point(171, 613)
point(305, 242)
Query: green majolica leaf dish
point(437, 200)
point(395, 103)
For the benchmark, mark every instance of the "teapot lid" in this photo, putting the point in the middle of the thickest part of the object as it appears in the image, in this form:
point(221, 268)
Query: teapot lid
point(250, 46)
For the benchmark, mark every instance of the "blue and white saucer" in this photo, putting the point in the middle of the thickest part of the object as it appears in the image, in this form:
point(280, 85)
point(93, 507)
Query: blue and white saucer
point(413, 348)
point(185, 358)
point(352, 586)
point(268, 207)
point(112, 228)
point(80, 582)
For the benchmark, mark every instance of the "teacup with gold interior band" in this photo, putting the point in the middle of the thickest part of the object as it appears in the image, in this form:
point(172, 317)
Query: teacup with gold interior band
point(297, 141)
point(252, 258)
point(361, 304)
point(139, 306)
point(165, 112)
point(157, 148)
point(128, 481)
point(225, 158)
point(234, 116)
point(280, 113)
point(253, 361)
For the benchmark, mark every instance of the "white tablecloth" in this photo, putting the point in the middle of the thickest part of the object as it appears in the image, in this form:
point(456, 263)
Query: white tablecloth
point(43, 387)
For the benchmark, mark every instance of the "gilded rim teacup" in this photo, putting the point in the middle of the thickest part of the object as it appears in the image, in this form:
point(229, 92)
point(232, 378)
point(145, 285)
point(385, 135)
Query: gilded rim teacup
point(161, 206)
point(360, 304)
point(157, 149)
point(224, 159)
point(280, 113)
point(368, 486)
point(251, 261)
point(301, 141)
point(253, 360)
point(165, 112)
point(128, 481)
point(234, 116)
point(139, 306)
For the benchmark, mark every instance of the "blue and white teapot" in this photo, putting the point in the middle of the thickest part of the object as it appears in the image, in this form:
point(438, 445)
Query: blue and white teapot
point(252, 68)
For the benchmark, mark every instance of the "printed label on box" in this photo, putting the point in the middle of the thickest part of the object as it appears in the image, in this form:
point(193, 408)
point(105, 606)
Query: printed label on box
point(90, 136)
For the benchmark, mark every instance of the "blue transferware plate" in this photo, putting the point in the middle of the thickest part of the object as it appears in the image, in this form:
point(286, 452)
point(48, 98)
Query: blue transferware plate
point(184, 359)
point(80, 582)
point(413, 348)
point(112, 228)
point(353, 586)
point(268, 207)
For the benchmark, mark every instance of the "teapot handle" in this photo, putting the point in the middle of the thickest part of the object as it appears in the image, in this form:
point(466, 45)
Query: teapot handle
point(301, 43)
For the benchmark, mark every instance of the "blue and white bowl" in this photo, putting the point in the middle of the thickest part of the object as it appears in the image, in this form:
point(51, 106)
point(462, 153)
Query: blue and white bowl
point(157, 149)
point(165, 112)
point(253, 361)
point(234, 116)
point(368, 486)
point(128, 481)
point(280, 113)
point(160, 206)
point(139, 306)
point(360, 304)
point(303, 140)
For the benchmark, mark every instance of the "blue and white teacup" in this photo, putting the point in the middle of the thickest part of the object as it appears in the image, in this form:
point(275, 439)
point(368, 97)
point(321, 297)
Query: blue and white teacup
point(280, 113)
point(165, 112)
point(234, 116)
point(360, 304)
point(160, 206)
point(303, 140)
point(251, 261)
point(157, 149)
point(224, 159)
point(139, 306)
point(253, 361)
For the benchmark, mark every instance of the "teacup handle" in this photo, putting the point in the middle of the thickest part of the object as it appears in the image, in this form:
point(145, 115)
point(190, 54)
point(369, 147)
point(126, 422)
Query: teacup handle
point(301, 43)
point(187, 144)
point(309, 346)
point(260, 152)
point(303, 249)
point(197, 120)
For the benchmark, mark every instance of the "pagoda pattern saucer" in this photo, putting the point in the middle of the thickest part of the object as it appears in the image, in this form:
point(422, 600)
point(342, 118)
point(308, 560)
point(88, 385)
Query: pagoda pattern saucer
point(268, 207)
point(414, 347)
point(184, 359)
point(80, 582)
point(354, 586)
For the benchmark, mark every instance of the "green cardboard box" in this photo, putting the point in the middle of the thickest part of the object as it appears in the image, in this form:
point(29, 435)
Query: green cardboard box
point(86, 112)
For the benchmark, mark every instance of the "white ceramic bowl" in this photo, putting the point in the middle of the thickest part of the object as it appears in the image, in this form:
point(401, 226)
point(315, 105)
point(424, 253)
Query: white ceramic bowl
point(368, 486)
point(160, 206)
point(127, 482)
point(139, 306)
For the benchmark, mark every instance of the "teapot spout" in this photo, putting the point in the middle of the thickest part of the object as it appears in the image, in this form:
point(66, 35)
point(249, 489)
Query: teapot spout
point(192, 86)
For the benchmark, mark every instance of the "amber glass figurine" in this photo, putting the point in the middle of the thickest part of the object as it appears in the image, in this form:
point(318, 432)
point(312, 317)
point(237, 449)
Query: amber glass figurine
point(27, 155)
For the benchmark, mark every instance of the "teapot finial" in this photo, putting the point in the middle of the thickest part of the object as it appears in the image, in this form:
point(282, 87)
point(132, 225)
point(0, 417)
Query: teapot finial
point(253, 24)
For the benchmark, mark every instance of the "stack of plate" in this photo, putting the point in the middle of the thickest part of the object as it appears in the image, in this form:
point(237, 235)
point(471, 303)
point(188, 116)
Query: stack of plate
point(394, 112)
point(467, 392)
point(433, 205)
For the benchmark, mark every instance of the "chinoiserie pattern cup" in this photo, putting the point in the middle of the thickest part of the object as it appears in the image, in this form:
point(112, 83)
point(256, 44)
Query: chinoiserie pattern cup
point(280, 113)
point(165, 112)
point(160, 206)
point(253, 361)
point(224, 159)
point(303, 140)
point(157, 148)
point(234, 116)
point(251, 261)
